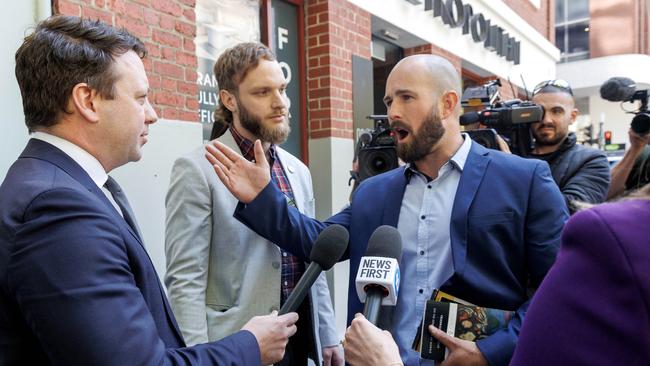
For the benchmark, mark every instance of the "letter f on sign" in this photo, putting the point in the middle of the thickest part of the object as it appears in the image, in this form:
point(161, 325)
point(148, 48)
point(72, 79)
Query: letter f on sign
point(282, 37)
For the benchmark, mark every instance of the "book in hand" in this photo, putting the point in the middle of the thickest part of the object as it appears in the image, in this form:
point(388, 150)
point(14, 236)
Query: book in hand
point(460, 320)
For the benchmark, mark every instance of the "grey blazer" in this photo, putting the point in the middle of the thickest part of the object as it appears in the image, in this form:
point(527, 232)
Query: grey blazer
point(219, 272)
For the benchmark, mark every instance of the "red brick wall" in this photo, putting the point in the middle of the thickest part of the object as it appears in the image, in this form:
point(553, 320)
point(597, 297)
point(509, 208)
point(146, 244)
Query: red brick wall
point(542, 18)
point(168, 28)
point(617, 27)
point(335, 30)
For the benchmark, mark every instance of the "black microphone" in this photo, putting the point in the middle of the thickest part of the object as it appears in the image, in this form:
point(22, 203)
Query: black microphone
point(378, 276)
point(618, 89)
point(326, 251)
point(469, 118)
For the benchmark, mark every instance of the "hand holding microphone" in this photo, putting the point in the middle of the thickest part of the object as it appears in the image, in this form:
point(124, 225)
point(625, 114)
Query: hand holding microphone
point(327, 250)
point(365, 344)
point(272, 333)
point(378, 276)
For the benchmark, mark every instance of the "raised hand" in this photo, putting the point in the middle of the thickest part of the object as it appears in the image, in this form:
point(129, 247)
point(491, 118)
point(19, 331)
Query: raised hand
point(272, 333)
point(244, 179)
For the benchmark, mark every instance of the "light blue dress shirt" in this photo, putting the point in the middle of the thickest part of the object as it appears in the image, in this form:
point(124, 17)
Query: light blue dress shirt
point(426, 264)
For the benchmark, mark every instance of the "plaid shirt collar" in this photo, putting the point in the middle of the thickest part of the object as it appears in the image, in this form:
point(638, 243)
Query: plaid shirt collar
point(246, 147)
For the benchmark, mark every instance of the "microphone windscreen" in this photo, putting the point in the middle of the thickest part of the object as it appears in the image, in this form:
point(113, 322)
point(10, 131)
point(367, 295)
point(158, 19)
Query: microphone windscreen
point(617, 89)
point(385, 242)
point(329, 246)
point(469, 118)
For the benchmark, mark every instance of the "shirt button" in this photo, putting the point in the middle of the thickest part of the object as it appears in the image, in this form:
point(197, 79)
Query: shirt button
point(422, 217)
point(286, 283)
point(421, 252)
point(276, 265)
point(284, 254)
point(429, 186)
point(421, 290)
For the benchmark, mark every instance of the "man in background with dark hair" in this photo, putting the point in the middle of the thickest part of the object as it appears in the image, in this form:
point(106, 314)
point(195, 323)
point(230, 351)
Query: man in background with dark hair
point(76, 284)
point(219, 272)
point(581, 172)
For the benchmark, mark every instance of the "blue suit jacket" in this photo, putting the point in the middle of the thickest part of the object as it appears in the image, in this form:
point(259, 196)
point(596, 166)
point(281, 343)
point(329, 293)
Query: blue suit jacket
point(76, 284)
point(505, 231)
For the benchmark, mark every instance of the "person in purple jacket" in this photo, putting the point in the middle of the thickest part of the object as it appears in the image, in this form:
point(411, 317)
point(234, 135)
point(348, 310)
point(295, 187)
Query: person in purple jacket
point(593, 307)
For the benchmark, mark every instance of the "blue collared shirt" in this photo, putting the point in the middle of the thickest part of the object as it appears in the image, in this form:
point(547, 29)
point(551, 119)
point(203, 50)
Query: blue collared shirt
point(424, 224)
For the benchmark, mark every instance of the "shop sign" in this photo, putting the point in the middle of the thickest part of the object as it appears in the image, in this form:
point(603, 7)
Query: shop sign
point(455, 14)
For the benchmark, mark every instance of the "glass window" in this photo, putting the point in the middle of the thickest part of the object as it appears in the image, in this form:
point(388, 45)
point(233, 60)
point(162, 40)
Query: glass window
point(578, 37)
point(577, 9)
point(559, 39)
point(577, 57)
point(560, 6)
point(572, 29)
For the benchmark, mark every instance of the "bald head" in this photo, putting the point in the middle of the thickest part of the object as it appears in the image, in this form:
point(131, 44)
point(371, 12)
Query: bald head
point(437, 71)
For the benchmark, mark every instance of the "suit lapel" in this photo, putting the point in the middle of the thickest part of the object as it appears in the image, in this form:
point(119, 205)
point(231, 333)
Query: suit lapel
point(291, 172)
point(42, 150)
point(473, 172)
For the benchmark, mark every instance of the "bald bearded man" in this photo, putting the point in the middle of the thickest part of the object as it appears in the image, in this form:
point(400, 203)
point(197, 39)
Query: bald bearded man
point(477, 223)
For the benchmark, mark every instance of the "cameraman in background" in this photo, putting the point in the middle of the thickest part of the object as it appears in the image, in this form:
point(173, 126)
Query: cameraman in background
point(582, 173)
point(633, 171)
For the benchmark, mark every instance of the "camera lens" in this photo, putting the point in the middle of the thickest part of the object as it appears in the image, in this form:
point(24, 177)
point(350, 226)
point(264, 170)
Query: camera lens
point(379, 164)
point(641, 123)
point(373, 161)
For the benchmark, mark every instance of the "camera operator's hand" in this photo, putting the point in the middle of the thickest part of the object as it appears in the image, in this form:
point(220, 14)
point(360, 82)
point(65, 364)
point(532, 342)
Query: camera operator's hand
point(243, 178)
point(272, 333)
point(638, 142)
point(503, 145)
point(621, 171)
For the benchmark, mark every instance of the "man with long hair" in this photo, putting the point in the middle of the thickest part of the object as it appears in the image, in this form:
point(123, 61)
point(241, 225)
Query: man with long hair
point(219, 272)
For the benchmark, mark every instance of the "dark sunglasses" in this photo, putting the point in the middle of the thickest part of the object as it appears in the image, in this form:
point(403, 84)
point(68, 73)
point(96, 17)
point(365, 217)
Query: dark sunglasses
point(558, 83)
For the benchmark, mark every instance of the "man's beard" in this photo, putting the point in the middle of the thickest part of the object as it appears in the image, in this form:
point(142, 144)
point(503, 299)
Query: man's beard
point(542, 140)
point(253, 124)
point(429, 133)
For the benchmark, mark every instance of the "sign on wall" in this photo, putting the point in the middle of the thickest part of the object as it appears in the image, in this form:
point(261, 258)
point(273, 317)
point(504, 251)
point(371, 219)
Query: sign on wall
point(283, 39)
point(455, 14)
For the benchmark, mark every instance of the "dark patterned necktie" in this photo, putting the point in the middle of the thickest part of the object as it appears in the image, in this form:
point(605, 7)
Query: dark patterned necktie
point(120, 199)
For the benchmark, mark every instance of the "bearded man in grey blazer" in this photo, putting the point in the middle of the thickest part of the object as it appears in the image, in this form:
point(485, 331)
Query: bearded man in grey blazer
point(219, 272)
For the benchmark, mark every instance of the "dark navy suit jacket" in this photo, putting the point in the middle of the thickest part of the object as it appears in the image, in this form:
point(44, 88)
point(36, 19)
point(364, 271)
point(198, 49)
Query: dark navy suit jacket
point(505, 232)
point(76, 284)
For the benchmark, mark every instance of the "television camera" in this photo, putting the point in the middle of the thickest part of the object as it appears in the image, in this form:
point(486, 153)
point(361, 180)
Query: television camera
point(511, 119)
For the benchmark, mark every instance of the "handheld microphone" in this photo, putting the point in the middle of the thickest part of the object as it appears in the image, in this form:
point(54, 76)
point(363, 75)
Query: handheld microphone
point(327, 250)
point(378, 276)
point(618, 89)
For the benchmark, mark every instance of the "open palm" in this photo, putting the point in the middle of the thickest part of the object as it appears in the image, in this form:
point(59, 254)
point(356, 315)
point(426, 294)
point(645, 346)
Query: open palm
point(244, 179)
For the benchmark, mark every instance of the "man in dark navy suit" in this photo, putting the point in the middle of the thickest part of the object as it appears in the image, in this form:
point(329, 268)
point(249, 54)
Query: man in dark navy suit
point(76, 283)
point(479, 224)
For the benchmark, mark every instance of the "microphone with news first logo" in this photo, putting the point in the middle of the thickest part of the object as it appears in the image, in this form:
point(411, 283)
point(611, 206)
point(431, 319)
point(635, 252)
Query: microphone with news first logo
point(378, 276)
